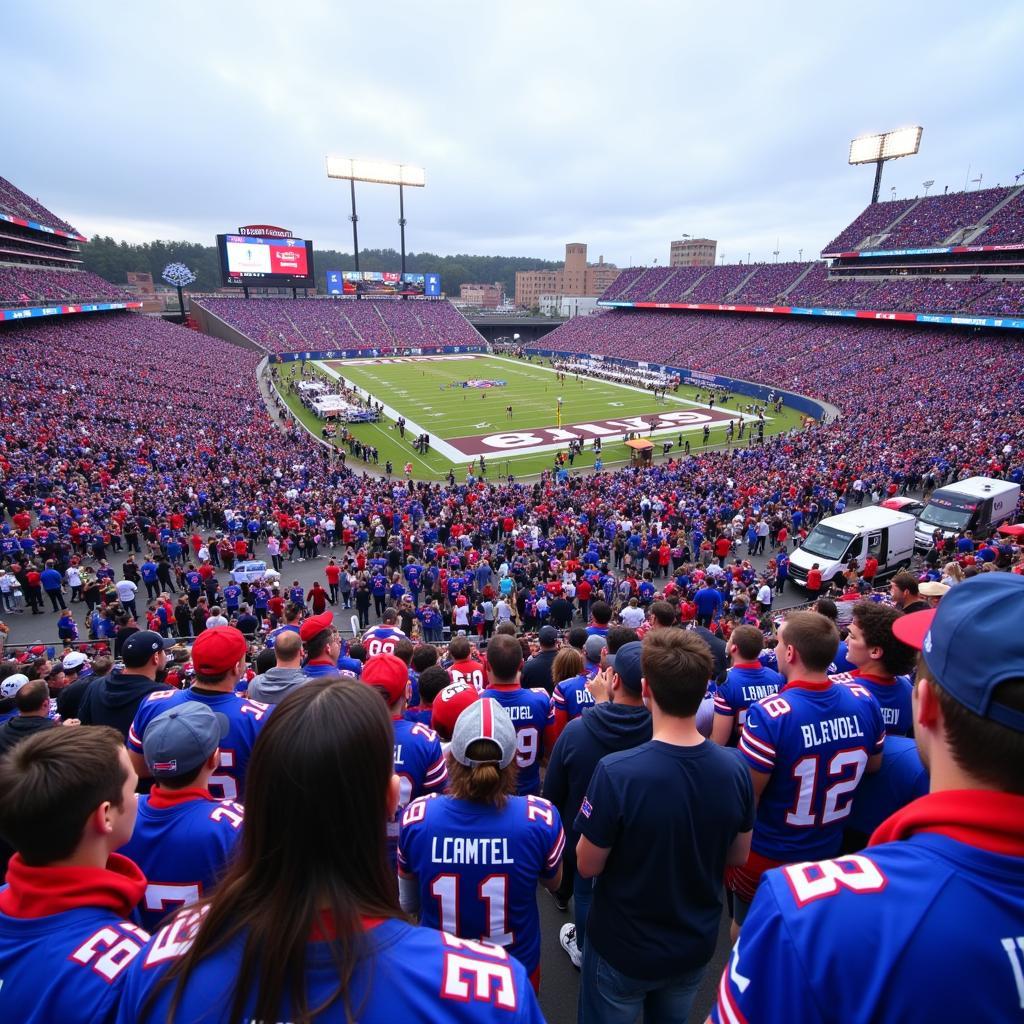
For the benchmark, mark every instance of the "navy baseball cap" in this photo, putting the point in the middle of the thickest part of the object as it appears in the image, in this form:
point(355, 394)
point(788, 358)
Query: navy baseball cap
point(972, 642)
point(626, 663)
point(180, 739)
point(548, 636)
point(142, 645)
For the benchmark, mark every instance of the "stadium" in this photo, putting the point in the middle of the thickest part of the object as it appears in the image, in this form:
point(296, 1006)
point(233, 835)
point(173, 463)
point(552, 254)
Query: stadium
point(697, 402)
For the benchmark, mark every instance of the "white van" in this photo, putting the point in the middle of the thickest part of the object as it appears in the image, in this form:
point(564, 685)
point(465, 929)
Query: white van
point(978, 504)
point(882, 532)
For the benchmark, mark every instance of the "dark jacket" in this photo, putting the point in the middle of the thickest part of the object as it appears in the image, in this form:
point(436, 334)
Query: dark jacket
point(113, 700)
point(70, 698)
point(600, 730)
point(537, 671)
point(20, 728)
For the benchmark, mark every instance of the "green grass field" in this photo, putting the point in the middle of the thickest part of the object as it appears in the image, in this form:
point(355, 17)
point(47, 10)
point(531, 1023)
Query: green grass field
point(420, 392)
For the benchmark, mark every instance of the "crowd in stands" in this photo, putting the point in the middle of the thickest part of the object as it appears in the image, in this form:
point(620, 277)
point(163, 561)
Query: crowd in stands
point(283, 325)
point(1006, 226)
point(16, 203)
point(875, 219)
point(21, 286)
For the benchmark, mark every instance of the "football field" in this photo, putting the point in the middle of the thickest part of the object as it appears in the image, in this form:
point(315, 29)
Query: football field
point(516, 415)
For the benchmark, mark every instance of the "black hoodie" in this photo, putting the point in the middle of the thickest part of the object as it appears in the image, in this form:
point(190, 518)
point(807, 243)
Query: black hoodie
point(600, 730)
point(20, 728)
point(114, 699)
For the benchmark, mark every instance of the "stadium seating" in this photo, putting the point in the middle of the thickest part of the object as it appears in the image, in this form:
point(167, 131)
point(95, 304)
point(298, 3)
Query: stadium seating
point(24, 286)
point(16, 203)
point(876, 218)
point(936, 219)
point(1007, 226)
point(290, 325)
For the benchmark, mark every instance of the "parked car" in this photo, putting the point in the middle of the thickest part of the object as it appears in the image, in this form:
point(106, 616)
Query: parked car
point(252, 572)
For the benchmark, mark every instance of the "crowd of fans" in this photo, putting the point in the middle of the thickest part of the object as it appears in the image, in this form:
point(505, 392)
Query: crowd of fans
point(22, 286)
point(18, 204)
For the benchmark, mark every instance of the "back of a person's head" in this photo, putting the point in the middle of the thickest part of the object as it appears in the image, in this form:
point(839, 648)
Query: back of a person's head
point(504, 655)
point(32, 696)
point(568, 663)
point(288, 646)
point(390, 617)
point(404, 649)
point(906, 581)
point(423, 657)
point(748, 642)
point(601, 613)
point(505, 629)
point(619, 636)
point(459, 648)
point(827, 607)
point(677, 665)
point(325, 736)
point(814, 637)
point(663, 613)
point(433, 679)
point(50, 784)
point(292, 612)
point(577, 637)
point(874, 620)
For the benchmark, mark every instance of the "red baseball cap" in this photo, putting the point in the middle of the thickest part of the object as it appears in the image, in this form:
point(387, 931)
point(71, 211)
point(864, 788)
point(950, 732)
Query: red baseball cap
point(216, 651)
point(449, 704)
point(315, 625)
point(386, 672)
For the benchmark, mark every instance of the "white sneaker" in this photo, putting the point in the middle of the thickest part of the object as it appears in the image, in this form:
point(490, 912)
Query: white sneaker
point(567, 937)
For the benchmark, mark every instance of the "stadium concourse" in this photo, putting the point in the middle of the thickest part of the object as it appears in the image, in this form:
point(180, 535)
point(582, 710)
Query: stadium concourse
point(124, 434)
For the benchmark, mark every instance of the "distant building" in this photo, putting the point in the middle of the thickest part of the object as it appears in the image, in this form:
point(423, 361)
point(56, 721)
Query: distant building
point(577, 277)
point(487, 296)
point(693, 252)
point(567, 305)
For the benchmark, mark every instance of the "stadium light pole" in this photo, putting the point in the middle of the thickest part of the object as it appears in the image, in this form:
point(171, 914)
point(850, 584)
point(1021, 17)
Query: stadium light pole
point(376, 172)
point(877, 149)
point(927, 185)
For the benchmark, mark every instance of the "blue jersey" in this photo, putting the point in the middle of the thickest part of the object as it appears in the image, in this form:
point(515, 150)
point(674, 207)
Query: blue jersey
point(413, 574)
point(571, 696)
point(815, 740)
point(420, 767)
point(378, 585)
point(405, 973)
point(232, 594)
point(531, 712)
point(60, 961)
point(893, 695)
point(275, 633)
point(854, 936)
point(478, 867)
point(901, 780)
point(381, 640)
point(744, 685)
point(246, 718)
point(182, 841)
point(419, 714)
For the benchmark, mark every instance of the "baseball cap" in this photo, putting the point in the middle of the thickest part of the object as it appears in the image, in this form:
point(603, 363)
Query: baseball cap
point(315, 625)
point(594, 647)
point(74, 660)
point(626, 663)
point(180, 739)
point(141, 646)
point(484, 719)
point(216, 651)
point(973, 642)
point(449, 704)
point(12, 684)
point(548, 636)
point(387, 672)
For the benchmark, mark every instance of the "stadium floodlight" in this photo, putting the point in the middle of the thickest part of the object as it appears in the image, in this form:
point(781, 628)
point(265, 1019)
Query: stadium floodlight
point(376, 172)
point(876, 149)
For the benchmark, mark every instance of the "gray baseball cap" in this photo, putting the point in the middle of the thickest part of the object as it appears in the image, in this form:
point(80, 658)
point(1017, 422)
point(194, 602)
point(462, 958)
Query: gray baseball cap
point(484, 719)
point(182, 738)
point(594, 648)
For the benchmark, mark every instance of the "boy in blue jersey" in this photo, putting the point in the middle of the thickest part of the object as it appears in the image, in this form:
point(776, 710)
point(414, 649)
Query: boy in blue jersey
point(746, 681)
point(807, 749)
point(927, 923)
point(530, 710)
point(67, 802)
point(470, 861)
point(882, 663)
point(218, 657)
point(183, 835)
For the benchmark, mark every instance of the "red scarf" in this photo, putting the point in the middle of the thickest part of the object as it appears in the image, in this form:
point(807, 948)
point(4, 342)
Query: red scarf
point(40, 892)
point(160, 799)
point(978, 817)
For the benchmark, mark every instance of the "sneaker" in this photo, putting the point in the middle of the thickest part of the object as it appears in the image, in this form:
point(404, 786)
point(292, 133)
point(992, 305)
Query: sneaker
point(567, 937)
point(560, 903)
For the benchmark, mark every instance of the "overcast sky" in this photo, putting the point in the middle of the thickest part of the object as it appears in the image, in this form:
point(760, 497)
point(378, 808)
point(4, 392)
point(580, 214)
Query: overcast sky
point(622, 125)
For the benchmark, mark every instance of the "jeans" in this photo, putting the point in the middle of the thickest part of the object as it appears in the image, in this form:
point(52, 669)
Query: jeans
point(582, 896)
point(608, 996)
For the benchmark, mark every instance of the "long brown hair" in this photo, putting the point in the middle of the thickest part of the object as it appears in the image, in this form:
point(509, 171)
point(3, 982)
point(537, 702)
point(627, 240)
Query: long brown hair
point(484, 783)
point(313, 849)
point(568, 664)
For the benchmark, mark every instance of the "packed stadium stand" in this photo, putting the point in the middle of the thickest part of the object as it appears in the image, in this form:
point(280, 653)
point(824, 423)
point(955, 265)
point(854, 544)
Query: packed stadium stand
point(288, 325)
point(18, 204)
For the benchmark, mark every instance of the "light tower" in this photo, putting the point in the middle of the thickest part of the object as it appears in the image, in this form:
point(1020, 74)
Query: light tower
point(876, 149)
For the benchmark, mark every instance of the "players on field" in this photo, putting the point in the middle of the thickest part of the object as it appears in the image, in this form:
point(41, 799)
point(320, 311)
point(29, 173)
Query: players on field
point(67, 802)
point(807, 748)
point(314, 922)
point(927, 923)
point(183, 835)
point(470, 861)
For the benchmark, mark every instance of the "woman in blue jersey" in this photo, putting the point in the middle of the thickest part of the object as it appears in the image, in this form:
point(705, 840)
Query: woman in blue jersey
point(306, 925)
point(470, 861)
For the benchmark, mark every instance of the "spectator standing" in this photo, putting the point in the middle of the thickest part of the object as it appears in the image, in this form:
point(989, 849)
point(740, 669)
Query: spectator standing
point(271, 686)
point(32, 701)
point(654, 920)
point(537, 670)
point(53, 583)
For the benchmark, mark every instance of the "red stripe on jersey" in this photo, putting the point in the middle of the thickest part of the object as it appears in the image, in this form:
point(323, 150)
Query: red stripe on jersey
point(754, 755)
point(727, 1008)
point(765, 748)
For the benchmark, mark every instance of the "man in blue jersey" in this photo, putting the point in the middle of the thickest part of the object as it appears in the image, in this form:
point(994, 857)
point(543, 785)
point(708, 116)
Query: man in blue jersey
point(657, 826)
point(383, 638)
point(183, 835)
point(927, 923)
point(218, 657)
point(530, 710)
point(807, 749)
point(746, 681)
point(67, 802)
point(882, 663)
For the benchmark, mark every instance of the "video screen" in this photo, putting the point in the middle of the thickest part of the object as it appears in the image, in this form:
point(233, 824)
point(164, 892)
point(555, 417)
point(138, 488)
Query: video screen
point(378, 282)
point(266, 262)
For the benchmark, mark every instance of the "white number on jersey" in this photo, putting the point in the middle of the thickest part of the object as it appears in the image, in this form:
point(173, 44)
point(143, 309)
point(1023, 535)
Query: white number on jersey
point(109, 951)
point(806, 771)
point(813, 881)
point(493, 890)
point(526, 744)
point(224, 786)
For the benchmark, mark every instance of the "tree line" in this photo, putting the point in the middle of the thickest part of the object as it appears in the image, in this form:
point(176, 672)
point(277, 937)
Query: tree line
point(113, 260)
